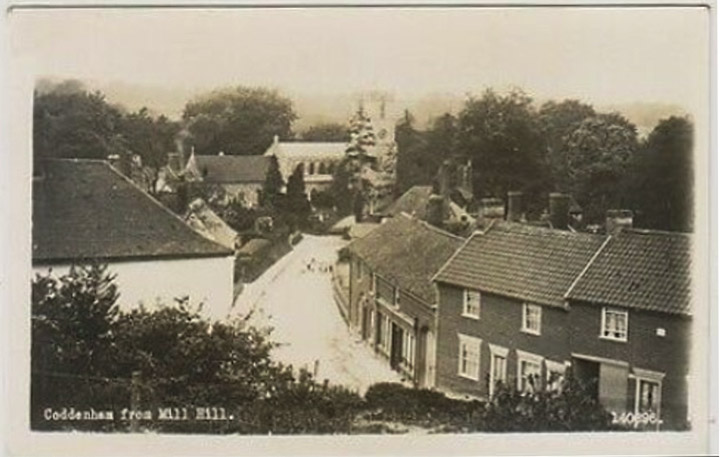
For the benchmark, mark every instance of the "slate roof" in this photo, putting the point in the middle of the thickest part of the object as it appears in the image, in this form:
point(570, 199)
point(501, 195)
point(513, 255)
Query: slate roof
point(407, 252)
point(85, 209)
point(228, 169)
point(414, 202)
point(528, 263)
point(647, 270)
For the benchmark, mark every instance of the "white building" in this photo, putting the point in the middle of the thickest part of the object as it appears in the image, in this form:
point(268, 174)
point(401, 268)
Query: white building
point(85, 211)
point(319, 160)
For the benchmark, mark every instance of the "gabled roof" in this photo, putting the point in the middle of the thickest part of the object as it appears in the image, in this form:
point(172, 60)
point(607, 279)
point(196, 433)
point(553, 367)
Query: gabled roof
point(528, 263)
point(85, 209)
point(647, 270)
point(414, 202)
point(407, 252)
point(308, 149)
point(206, 222)
point(228, 169)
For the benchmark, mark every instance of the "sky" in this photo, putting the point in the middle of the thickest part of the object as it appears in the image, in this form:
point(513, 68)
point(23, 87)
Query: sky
point(605, 56)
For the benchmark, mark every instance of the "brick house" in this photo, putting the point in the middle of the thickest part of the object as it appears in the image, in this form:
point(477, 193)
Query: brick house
point(392, 300)
point(523, 305)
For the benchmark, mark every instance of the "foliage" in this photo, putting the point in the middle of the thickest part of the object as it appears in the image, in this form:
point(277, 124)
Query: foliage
point(665, 161)
point(296, 202)
point(70, 122)
point(571, 408)
point(557, 121)
point(85, 351)
point(330, 132)
point(502, 137)
point(238, 121)
point(341, 189)
point(599, 152)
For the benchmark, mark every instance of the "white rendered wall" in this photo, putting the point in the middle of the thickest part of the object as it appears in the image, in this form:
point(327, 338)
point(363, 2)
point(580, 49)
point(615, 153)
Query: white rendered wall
point(207, 280)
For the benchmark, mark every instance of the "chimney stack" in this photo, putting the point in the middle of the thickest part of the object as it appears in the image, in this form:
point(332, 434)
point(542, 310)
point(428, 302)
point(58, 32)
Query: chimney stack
point(617, 220)
point(515, 206)
point(436, 210)
point(559, 210)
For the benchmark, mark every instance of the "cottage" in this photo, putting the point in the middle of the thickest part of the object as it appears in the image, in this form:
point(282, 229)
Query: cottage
point(85, 211)
point(526, 305)
point(392, 301)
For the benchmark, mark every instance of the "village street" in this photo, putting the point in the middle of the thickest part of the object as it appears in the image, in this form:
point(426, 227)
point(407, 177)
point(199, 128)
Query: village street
point(294, 297)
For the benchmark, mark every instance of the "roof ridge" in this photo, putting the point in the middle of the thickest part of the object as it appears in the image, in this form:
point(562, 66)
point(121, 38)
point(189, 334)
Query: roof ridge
point(642, 231)
point(431, 227)
point(161, 206)
point(454, 254)
point(587, 267)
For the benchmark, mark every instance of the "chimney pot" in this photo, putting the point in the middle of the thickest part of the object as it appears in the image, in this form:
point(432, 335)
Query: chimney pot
point(492, 208)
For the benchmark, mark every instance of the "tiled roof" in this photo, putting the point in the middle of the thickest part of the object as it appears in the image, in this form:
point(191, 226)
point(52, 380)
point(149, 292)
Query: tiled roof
point(407, 252)
point(85, 209)
point(640, 269)
point(414, 202)
point(228, 169)
point(528, 263)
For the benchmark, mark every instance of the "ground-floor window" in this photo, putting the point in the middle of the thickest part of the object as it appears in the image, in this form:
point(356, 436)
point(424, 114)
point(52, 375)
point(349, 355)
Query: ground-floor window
point(408, 353)
point(529, 371)
point(383, 332)
point(648, 400)
point(498, 367)
point(469, 357)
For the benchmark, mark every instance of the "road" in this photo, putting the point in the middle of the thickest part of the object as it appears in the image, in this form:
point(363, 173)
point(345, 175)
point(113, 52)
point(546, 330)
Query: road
point(297, 303)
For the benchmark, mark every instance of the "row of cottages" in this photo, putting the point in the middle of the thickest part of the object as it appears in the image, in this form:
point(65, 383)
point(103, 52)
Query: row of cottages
point(528, 305)
point(392, 301)
point(85, 211)
point(319, 160)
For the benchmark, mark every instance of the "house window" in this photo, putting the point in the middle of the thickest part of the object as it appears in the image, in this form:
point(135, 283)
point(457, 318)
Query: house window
point(358, 269)
point(532, 319)
point(648, 391)
point(498, 367)
point(408, 357)
point(321, 168)
point(383, 332)
point(554, 375)
point(529, 370)
point(471, 304)
point(311, 168)
point(469, 357)
point(614, 324)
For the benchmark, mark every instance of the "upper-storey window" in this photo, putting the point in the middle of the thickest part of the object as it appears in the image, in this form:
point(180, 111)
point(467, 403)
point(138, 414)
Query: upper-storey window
point(471, 303)
point(532, 319)
point(614, 324)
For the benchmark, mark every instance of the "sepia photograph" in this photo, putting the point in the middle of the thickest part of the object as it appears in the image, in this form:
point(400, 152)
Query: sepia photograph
point(472, 222)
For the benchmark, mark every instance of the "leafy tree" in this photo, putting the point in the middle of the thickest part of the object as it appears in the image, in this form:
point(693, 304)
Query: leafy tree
point(238, 121)
point(70, 124)
point(599, 152)
point(663, 177)
point(502, 137)
point(414, 164)
point(297, 199)
point(557, 121)
point(341, 189)
point(273, 185)
point(150, 138)
point(330, 132)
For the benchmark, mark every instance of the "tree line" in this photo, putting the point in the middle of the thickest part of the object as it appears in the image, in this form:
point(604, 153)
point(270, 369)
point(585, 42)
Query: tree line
point(564, 146)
